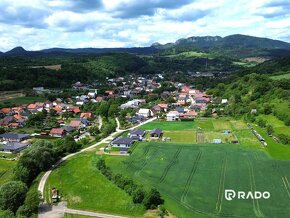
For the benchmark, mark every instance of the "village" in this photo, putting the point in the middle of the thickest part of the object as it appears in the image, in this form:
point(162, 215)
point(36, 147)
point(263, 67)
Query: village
point(70, 116)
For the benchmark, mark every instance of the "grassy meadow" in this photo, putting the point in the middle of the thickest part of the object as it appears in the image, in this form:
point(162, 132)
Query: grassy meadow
point(85, 188)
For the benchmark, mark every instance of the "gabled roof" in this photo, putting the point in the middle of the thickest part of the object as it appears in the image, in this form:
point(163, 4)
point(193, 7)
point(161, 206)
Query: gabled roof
point(156, 131)
point(68, 128)
point(75, 123)
point(6, 110)
point(86, 114)
point(12, 146)
point(9, 135)
point(123, 140)
point(57, 131)
point(163, 105)
point(137, 132)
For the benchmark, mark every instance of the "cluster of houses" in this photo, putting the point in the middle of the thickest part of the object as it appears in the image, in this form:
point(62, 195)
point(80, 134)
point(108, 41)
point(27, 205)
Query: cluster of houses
point(134, 85)
point(16, 117)
point(188, 102)
point(133, 136)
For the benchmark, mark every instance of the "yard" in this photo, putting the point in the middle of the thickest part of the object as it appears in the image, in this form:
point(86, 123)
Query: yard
point(169, 126)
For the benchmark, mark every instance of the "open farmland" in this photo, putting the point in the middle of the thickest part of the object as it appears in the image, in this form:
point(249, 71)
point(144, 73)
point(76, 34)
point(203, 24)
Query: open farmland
point(192, 178)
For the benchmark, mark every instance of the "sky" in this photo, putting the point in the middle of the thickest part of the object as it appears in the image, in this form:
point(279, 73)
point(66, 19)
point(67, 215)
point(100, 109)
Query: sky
point(40, 24)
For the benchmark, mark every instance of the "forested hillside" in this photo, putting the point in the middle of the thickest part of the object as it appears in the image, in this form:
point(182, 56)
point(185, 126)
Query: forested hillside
point(254, 97)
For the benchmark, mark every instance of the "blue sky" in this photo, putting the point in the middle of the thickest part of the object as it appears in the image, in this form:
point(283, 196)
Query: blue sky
point(39, 24)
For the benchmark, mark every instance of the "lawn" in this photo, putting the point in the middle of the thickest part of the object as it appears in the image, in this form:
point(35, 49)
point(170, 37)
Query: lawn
point(85, 188)
point(205, 124)
point(192, 178)
point(186, 136)
point(209, 136)
point(6, 170)
point(221, 124)
point(23, 100)
point(169, 126)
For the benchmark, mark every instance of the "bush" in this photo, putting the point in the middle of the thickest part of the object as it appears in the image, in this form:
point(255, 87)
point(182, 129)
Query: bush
point(284, 139)
point(153, 199)
point(12, 195)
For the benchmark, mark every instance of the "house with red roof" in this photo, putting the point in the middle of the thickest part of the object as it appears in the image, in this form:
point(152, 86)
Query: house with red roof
point(86, 115)
point(57, 132)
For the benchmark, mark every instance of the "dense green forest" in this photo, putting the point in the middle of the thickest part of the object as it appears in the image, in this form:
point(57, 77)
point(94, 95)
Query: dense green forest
point(16, 72)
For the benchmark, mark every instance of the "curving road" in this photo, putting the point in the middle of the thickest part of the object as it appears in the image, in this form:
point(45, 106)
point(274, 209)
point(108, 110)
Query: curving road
point(44, 178)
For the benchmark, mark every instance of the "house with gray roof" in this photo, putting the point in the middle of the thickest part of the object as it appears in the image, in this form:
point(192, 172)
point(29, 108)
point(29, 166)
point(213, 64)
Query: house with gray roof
point(13, 147)
point(122, 142)
point(13, 137)
point(137, 134)
point(156, 133)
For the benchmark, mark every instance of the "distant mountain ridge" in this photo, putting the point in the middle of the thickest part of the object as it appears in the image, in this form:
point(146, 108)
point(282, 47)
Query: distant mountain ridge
point(234, 43)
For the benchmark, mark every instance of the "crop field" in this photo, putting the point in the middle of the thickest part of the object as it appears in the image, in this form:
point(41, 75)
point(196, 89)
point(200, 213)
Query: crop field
point(6, 170)
point(192, 178)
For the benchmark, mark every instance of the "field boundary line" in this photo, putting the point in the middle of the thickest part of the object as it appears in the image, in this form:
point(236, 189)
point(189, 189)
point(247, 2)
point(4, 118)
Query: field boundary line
point(171, 163)
point(256, 206)
point(190, 177)
point(287, 181)
point(222, 185)
point(285, 184)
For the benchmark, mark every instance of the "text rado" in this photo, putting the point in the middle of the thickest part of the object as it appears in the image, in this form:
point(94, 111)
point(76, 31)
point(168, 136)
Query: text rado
point(232, 194)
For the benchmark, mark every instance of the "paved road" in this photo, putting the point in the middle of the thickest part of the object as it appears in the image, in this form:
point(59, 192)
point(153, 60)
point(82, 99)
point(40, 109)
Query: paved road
point(46, 175)
point(48, 211)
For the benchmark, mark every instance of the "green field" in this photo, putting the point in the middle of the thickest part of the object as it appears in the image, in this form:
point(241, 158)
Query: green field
point(192, 178)
point(169, 126)
point(85, 188)
point(6, 169)
point(190, 54)
point(189, 171)
point(23, 100)
point(278, 125)
point(282, 76)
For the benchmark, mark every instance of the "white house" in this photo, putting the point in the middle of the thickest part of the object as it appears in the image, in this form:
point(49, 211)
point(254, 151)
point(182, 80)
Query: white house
point(172, 116)
point(144, 112)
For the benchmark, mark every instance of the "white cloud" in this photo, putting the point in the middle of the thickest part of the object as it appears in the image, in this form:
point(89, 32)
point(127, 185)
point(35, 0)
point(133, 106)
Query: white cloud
point(39, 24)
